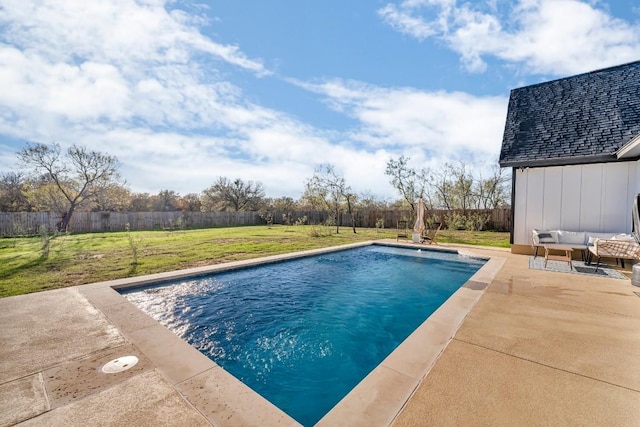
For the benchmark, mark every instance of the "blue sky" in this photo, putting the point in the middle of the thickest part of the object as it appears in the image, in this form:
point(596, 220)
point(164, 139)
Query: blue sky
point(185, 91)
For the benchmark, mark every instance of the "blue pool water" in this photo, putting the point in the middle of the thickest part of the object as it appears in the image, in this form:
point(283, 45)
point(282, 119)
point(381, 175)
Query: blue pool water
point(304, 332)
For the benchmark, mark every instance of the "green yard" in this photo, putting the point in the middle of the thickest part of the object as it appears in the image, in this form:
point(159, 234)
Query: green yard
point(86, 258)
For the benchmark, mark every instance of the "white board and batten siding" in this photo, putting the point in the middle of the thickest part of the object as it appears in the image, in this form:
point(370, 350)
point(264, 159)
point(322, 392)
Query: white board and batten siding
point(596, 197)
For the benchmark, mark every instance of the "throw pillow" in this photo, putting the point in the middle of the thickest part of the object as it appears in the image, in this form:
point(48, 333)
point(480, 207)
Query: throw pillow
point(545, 238)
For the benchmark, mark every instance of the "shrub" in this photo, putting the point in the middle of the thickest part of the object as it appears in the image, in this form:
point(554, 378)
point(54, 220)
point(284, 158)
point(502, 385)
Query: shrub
point(267, 217)
point(133, 244)
point(324, 229)
point(174, 224)
point(455, 221)
point(476, 222)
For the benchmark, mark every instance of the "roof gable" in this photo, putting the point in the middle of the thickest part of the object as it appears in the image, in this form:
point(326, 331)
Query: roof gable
point(630, 150)
point(580, 119)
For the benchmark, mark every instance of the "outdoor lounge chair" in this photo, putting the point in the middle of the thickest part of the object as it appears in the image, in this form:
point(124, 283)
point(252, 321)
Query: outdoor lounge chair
point(429, 233)
point(402, 230)
point(612, 248)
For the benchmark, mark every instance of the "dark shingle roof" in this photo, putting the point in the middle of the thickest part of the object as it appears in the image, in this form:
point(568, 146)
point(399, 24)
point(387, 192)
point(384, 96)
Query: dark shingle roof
point(579, 119)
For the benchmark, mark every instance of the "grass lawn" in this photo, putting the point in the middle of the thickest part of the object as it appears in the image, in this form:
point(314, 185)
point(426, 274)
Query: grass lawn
point(86, 258)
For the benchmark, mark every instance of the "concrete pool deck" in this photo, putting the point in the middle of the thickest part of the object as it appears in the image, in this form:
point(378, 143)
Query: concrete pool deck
point(524, 347)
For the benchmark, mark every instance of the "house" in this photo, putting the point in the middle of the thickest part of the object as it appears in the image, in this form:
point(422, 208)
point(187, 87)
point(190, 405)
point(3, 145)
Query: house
point(574, 146)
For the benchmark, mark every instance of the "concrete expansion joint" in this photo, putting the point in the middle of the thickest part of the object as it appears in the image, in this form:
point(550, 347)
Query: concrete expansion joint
point(197, 374)
point(406, 403)
point(586, 307)
point(185, 398)
point(629, 316)
point(28, 375)
point(547, 366)
point(31, 417)
point(44, 388)
point(396, 371)
point(91, 297)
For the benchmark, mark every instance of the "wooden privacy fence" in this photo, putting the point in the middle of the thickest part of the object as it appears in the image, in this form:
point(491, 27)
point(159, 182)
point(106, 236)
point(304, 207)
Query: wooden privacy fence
point(30, 223)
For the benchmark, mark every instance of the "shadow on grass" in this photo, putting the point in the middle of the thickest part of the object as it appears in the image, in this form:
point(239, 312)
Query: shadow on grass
point(6, 244)
point(12, 288)
point(7, 274)
point(43, 264)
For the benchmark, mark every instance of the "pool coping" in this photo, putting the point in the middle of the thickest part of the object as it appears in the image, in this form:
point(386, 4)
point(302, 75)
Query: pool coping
point(224, 400)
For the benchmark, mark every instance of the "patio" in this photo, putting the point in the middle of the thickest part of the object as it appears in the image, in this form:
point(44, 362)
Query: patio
point(538, 348)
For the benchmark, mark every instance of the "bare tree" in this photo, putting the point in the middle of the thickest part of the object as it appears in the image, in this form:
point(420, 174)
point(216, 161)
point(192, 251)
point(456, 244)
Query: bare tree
point(12, 193)
point(235, 195)
point(352, 200)
point(285, 204)
point(453, 187)
point(165, 201)
point(141, 202)
point(326, 187)
point(78, 175)
point(114, 198)
point(493, 192)
point(441, 187)
point(190, 203)
point(368, 200)
point(45, 196)
point(411, 184)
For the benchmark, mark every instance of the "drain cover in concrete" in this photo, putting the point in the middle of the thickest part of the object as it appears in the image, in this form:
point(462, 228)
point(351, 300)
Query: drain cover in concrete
point(120, 364)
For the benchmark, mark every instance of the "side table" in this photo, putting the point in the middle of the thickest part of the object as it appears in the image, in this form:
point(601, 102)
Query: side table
point(567, 256)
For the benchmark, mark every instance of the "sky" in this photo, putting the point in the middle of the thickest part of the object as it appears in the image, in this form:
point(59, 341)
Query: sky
point(185, 91)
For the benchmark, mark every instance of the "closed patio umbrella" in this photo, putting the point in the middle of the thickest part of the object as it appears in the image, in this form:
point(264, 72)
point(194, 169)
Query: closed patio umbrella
point(635, 225)
point(418, 227)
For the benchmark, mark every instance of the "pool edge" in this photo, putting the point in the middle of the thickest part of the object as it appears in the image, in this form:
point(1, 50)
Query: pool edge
point(383, 393)
point(220, 397)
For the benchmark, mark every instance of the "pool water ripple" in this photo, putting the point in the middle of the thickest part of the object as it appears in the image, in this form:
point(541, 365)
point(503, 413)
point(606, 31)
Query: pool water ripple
point(304, 332)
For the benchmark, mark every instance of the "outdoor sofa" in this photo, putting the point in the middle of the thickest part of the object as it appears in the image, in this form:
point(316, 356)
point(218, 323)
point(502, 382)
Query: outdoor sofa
point(585, 241)
point(614, 248)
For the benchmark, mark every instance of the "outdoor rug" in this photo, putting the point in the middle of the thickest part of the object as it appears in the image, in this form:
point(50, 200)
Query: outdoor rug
point(579, 267)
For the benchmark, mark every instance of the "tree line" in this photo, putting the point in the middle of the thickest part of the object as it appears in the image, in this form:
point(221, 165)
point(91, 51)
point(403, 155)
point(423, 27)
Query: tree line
point(78, 179)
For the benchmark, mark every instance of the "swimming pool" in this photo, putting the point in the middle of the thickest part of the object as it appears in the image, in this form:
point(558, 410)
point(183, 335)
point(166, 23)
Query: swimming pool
point(303, 333)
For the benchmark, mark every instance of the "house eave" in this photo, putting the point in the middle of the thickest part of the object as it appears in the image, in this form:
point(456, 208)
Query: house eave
point(630, 150)
point(562, 161)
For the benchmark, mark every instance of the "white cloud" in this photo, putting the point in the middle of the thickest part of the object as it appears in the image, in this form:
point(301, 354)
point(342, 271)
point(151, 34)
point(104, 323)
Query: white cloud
point(117, 75)
point(572, 37)
point(111, 61)
point(120, 31)
point(429, 127)
point(440, 124)
point(404, 22)
point(545, 36)
point(140, 81)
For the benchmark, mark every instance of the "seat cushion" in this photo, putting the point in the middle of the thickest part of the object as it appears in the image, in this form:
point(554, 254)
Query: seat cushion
point(594, 236)
point(572, 237)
